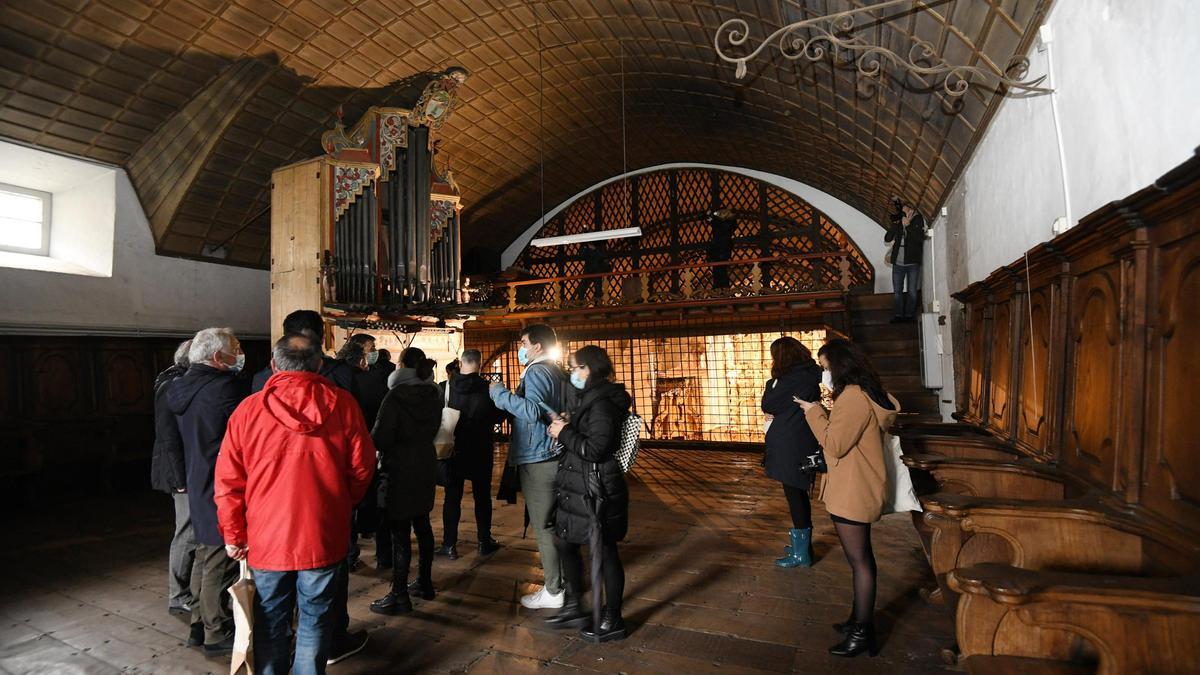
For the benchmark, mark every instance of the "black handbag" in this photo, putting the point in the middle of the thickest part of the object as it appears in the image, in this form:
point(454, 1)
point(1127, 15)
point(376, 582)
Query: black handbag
point(814, 462)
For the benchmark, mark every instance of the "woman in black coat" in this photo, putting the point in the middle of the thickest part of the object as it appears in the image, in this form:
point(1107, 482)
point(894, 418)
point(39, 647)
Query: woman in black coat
point(588, 475)
point(790, 440)
point(408, 420)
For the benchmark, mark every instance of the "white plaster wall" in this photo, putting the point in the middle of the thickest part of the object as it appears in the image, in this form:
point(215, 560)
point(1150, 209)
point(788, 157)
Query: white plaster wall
point(1129, 105)
point(146, 294)
point(865, 232)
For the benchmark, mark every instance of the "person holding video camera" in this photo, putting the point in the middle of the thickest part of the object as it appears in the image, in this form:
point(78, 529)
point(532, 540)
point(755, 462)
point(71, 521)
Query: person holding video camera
point(907, 236)
point(720, 247)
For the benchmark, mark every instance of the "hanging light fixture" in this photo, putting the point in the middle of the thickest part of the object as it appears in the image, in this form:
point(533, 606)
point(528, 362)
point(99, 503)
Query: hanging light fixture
point(582, 237)
point(833, 35)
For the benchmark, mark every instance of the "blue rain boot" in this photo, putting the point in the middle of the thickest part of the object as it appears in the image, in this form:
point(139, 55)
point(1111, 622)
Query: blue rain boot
point(799, 554)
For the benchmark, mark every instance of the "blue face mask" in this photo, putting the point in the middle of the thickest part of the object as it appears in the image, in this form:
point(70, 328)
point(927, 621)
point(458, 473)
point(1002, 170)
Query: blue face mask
point(577, 381)
point(522, 356)
point(372, 358)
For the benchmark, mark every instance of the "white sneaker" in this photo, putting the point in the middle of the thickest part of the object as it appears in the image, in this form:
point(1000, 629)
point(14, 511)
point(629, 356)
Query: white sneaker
point(543, 599)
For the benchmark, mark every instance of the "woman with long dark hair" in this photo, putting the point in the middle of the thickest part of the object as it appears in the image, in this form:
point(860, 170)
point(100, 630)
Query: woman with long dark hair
point(408, 421)
point(789, 439)
point(855, 487)
point(591, 491)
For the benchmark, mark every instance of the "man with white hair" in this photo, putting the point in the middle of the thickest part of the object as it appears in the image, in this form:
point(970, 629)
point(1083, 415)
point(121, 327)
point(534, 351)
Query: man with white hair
point(202, 401)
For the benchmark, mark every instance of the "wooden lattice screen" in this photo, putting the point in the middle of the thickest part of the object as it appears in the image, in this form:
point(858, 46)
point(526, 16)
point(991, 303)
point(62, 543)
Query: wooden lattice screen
point(671, 207)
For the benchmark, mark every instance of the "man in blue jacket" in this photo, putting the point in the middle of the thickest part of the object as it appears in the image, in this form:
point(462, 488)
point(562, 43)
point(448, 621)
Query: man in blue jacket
point(532, 450)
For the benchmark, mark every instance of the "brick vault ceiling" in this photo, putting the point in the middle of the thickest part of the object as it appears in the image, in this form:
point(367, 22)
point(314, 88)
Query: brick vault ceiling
point(105, 78)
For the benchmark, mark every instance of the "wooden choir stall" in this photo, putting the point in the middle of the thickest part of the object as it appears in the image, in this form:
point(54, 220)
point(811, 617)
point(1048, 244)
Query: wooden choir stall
point(1064, 529)
point(368, 233)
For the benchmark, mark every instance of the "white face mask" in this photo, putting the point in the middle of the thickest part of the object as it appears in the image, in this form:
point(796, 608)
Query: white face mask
point(240, 363)
point(827, 379)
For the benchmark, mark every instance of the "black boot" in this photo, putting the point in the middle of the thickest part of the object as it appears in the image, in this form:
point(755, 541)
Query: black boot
point(488, 546)
point(572, 614)
point(859, 639)
point(846, 625)
point(393, 603)
point(422, 588)
point(612, 627)
point(448, 550)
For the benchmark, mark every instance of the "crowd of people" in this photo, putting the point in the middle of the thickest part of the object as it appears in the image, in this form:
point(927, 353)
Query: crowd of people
point(281, 475)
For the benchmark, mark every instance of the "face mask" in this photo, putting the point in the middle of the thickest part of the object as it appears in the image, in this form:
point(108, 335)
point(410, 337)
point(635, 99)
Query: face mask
point(577, 381)
point(522, 356)
point(372, 358)
point(827, 379)
point(239, 363)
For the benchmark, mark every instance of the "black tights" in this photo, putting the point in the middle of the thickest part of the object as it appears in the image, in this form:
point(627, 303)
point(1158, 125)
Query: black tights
point(402, 531)
point(856, 544)
point(797, 500)
point(612, 570)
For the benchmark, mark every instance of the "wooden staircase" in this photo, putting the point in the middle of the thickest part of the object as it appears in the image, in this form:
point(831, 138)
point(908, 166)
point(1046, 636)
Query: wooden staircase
point(895, 350)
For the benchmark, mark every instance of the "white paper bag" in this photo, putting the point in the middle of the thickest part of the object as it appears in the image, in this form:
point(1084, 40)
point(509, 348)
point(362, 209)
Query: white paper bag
point(444, 440)
point(242, 604)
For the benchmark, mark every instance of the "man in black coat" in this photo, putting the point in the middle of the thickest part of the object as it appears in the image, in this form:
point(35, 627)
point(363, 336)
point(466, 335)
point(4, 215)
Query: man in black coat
point(202, 401)
point(168, 474)
point(472, 458)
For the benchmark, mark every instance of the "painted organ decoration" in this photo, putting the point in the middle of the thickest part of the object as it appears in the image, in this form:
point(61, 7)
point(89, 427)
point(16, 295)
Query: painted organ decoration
point(371, 228)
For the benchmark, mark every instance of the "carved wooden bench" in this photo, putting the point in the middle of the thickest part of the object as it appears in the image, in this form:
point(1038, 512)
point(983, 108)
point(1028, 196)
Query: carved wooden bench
point(962, 447)
point(1047, 620)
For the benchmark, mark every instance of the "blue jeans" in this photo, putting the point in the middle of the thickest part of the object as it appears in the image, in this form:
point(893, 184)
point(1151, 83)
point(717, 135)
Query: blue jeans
point(905, 304)
point(276, 595)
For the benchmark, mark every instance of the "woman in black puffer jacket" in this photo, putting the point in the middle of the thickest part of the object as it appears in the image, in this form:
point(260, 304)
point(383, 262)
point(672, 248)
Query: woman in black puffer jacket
point(589, 473)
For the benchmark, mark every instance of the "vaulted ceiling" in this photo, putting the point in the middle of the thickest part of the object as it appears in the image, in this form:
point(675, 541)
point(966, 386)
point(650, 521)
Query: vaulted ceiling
point(201, 99)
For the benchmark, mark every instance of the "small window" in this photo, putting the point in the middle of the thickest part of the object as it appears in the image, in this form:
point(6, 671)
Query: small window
point(24, 220)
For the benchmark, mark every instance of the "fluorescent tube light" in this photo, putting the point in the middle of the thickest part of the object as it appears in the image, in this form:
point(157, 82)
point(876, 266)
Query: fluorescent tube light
point(601, 235)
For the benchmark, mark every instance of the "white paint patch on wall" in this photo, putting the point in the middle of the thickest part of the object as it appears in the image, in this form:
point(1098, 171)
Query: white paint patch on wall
point(1128, 99)
point(864, 231)
point(146, 294)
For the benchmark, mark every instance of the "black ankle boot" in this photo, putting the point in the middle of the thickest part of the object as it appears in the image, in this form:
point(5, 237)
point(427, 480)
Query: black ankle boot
point(572, 614)
point(846, 625)
point(393, 603)
point(612, 627)
point(860, 638)
point(422, 588)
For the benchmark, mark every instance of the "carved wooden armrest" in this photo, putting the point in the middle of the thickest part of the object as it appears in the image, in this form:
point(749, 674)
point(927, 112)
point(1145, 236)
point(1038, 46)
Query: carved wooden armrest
point(1024, 479)
point(1125, 624)
point(963, 447)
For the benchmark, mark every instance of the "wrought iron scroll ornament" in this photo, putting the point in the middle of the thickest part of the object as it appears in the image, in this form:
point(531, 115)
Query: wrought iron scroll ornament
point(834, 35)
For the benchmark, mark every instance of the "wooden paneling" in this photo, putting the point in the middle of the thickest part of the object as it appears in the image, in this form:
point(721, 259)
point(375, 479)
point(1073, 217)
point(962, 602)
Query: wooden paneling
point(1094, 365)
point(79, 407)
point(1093, 376)
point(1171, 468)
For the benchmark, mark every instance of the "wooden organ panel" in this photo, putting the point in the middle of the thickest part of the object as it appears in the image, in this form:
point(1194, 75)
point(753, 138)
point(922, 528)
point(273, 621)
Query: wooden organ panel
point(369, 232)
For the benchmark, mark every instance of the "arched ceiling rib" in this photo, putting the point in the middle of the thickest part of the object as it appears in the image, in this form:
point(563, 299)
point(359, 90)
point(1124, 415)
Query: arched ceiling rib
point(99, 77)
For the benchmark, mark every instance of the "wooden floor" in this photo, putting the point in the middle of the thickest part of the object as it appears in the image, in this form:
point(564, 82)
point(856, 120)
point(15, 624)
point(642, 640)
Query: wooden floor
point(83, 589)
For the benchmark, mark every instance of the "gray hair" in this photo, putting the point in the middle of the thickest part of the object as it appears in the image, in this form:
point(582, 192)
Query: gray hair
point(472, 356)
point(208, 342)
point(296, 352)
point(181, 354)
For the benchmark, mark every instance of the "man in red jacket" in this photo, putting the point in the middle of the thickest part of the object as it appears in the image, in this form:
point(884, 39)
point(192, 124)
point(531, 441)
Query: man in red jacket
point(296, 458)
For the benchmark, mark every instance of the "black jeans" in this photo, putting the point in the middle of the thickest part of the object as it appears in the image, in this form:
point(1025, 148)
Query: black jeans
point(613, 572)
point(799, 507)
point(481, 490)
point(402, 531)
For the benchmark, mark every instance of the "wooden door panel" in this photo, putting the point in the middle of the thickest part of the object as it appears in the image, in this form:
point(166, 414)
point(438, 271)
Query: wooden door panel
point(1090, 443)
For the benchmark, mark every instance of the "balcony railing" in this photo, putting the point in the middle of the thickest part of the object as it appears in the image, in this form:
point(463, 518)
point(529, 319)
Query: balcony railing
point(806, 273)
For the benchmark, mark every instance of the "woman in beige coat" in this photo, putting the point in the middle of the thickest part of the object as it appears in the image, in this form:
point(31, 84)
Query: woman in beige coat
point(855, 488)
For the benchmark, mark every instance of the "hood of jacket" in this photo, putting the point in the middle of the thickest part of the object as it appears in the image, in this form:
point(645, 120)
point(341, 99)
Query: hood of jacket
point(300, 401)
point(612, 391)
point(403, 376)
point(468, 384)
point(802, 368)
point(185, 388)
point(884, 417)
point(171, 373)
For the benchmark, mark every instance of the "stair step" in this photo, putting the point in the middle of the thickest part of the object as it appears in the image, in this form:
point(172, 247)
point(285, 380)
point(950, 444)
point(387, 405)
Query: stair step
point(877, 349)
point(865, 333)
point(872, 301)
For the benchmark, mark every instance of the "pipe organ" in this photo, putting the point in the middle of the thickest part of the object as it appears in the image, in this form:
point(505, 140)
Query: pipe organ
point(370, 230)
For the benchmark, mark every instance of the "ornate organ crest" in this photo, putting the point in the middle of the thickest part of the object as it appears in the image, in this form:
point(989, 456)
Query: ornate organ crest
point(439, 97)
